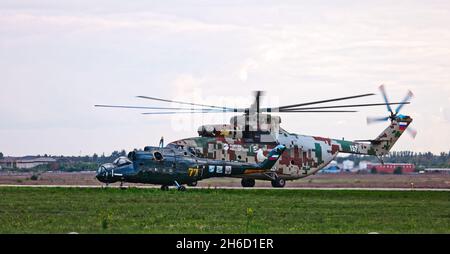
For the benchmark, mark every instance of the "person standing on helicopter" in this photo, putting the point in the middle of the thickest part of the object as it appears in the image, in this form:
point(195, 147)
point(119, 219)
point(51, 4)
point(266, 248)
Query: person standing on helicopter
point(161, 142)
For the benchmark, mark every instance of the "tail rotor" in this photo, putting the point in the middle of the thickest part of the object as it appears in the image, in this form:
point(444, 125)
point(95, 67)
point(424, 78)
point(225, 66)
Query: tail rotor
point(386, 100)
point(406, 99)
point(393, 115)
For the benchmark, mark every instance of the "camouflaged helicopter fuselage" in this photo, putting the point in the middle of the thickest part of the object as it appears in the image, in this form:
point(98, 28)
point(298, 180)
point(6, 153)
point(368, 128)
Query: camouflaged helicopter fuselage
point(304, 155)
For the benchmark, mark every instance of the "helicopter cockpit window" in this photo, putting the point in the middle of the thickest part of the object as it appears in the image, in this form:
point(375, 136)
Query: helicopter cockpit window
point(192, 150)
point(158, 156)
point(122, 161)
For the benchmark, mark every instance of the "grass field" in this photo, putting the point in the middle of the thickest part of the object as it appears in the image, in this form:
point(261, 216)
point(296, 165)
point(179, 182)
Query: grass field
point(94, 210)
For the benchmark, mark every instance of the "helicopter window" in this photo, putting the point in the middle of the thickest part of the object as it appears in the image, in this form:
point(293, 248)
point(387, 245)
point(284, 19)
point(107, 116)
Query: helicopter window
point(158, 156)
point(108, 166)
point(122, 161)
point(179, 147)
point(192, 151)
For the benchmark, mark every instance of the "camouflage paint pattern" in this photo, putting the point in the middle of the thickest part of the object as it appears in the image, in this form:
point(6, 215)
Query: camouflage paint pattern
point(304, 155)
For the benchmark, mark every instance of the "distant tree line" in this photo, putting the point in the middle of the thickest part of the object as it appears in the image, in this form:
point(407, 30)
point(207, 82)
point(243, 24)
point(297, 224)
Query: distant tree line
point(89, 163)
point(74, 163)
point(95, 158)
point(421, 160)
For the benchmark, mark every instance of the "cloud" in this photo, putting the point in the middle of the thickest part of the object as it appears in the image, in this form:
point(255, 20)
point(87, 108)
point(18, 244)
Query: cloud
point(57, 60)
point(35, 22)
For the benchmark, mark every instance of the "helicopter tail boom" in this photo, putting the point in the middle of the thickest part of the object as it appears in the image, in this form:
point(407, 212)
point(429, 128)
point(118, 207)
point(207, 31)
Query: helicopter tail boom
point(386, 140)
point(382, 144)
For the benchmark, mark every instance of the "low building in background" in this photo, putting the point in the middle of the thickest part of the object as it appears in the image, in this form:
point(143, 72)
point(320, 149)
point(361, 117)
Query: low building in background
point(31, 163)
point(391, 168)
point(8, 162)
point(25, 162)
point(363, 165)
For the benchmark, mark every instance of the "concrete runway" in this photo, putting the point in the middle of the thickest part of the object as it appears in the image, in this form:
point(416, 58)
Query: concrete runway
point(223, 187)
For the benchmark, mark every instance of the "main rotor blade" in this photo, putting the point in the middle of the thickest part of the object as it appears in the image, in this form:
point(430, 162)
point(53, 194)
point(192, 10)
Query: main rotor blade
point(371, 120)
point(318, 102)
point(407, 97)
point(347, 106)
point(383, 92)
point(316, 111)
point(144, 107)
point(185, 103)
point(218, 111)
point(185, 112)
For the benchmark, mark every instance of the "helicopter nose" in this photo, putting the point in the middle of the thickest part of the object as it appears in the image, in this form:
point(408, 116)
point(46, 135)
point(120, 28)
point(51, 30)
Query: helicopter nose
point(101, 173)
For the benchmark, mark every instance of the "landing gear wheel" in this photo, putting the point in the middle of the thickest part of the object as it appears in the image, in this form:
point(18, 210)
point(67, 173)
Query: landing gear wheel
point(165, 187)
point(193, 184)
point(181, 188)
point(278, 183)
point(247, 182)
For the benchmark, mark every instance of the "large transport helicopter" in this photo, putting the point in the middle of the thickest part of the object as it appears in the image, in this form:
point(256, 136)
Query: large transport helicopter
point(250, 136)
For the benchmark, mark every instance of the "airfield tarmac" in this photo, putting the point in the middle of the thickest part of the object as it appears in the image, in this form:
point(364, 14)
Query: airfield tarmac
point(319, 181)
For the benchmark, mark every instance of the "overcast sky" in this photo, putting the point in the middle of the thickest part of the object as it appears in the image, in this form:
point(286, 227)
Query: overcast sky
point(59, 58)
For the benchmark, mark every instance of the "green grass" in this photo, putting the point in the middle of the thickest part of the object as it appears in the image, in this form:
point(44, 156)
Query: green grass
point(91, 210)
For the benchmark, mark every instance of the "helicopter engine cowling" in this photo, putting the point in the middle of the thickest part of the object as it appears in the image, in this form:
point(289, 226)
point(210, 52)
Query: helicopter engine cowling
point(254, 122)
point(214, 130)
point(132, 156)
